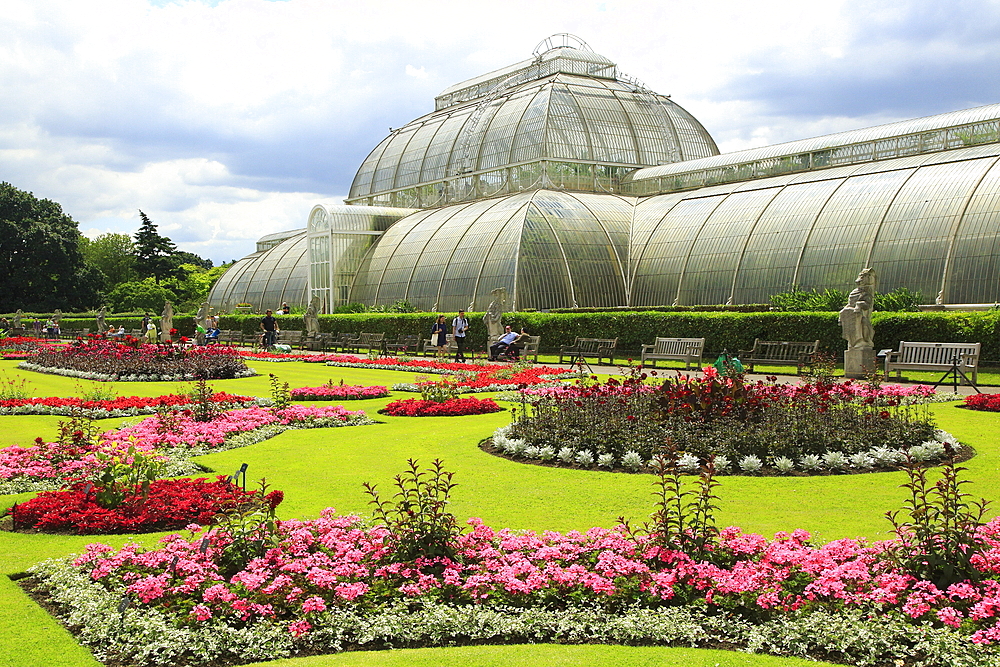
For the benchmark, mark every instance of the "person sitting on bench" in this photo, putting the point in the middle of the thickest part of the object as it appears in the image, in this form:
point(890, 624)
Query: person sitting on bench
point(507, 344)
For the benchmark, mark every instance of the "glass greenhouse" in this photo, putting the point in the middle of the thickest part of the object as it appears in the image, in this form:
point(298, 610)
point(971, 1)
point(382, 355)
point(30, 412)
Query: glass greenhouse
point(570, 184)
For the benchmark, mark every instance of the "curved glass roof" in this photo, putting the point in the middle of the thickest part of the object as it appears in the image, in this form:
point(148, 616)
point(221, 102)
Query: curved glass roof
point(931, 134)
point(929, 223)
point(266, 278)
point(548, 249)
point(489, 134)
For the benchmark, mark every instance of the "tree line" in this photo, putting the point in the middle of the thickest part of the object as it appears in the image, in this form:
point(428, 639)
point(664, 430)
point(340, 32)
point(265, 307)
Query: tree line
point(49, 264)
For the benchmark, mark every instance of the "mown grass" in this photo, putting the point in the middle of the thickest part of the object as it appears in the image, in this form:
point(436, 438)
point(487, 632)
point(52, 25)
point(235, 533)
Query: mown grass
point(325, 468)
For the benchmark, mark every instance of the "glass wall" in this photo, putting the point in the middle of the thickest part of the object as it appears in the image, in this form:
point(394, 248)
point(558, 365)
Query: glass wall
point(930, 223)
point(266, 279)
point(548, 249)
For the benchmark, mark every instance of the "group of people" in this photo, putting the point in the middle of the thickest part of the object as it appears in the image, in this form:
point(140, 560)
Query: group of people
point(507, 345)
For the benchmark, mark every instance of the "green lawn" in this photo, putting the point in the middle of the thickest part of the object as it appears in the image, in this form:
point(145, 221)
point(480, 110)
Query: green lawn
point(325, 468)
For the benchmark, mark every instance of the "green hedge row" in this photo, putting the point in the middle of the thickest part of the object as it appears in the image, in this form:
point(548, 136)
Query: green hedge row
point(721, 330)
point(732, 331)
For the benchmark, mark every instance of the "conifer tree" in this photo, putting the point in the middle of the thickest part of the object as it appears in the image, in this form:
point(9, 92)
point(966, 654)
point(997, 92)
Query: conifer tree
point(155, 253)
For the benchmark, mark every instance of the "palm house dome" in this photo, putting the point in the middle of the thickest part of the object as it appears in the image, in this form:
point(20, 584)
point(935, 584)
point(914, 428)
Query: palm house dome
point(565, 119)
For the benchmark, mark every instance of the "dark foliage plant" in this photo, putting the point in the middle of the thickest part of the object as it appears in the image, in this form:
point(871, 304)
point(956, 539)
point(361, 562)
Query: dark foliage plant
point(937, 527)
point(417, 516)
point(684, 518)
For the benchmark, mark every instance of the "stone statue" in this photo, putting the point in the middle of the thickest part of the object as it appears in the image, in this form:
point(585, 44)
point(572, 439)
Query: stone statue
point(856, 325)
point(202, 314)
point(166, 321)
point(101, 324)
point(17, 319)
point(494, 313)
point(199, 332)
point(56, 316)
point(310, 319)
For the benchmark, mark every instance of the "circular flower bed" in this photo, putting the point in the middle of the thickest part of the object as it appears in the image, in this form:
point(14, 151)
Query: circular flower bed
point(338, 392)
point(133, 361)
point(170, 504)
point(454, 407)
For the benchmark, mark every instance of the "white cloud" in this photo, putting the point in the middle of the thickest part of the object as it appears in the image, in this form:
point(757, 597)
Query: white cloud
point(227, 120)
point(417, 73)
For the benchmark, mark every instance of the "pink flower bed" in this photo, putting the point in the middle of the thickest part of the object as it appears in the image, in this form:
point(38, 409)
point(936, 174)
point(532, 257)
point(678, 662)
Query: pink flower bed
point(152, 433)
point(342, 392)
point(335, 561)
point(55, 461)
point(453, 407)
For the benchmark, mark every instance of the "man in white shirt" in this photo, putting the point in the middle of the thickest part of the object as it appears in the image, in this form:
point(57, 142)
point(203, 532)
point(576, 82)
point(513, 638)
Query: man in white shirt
point(459, 326)
point(507, 342)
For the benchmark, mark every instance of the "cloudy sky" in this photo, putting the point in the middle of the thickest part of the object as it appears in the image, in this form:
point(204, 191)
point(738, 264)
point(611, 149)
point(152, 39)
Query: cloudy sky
point(225, 120)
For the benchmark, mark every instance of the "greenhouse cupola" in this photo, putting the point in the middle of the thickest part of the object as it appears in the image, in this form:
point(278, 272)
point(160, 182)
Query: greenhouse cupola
point(565, 119)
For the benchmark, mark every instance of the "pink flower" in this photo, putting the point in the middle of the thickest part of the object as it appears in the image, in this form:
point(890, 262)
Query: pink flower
point(314, 603)
point(299, 628)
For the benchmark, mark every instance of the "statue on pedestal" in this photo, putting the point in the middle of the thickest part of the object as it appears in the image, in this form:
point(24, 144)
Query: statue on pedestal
point(17, 319)
point(856, 325)
point(102, 325)
point(494, 313)
point(311, 319)
point(166, 321)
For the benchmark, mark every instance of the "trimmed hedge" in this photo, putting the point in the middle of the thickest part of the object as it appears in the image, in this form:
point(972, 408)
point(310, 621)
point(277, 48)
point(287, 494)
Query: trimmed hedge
point(721, 330)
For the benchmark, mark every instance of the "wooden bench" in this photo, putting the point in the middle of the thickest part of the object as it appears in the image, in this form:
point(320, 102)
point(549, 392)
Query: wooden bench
point(688, 350)
point(402, 344)
point(291, 337)
point(367, 341)
point(429, 349)
point(595, 348)
point(529, 346)
point(914, 356)
point(780, 353)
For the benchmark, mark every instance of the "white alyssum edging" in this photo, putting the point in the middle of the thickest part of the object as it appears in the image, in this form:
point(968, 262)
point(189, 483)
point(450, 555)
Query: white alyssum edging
point(142, 636)
point(833, 461)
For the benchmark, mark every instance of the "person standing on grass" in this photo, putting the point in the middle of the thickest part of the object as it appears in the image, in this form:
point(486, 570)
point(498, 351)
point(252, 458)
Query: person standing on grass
point(459, 326)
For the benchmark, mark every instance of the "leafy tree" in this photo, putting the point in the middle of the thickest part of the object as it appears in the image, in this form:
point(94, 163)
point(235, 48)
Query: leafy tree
point(193, 288)
point(184, 257)
point(114, 255)
point(43, 266)
point(155, 253)
point(144, 295)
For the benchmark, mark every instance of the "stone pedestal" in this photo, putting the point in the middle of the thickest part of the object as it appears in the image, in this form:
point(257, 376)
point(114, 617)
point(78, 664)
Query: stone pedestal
point(859, 362)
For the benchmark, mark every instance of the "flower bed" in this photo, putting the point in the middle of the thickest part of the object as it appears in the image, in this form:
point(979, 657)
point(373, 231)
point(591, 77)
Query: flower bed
point(174, 437)
point(123, 406)
point(750, 428)
point(169, 505)
point(986, 402)
point(332, 582)
point(453, 407)
point(338, 392)
point(134, 361)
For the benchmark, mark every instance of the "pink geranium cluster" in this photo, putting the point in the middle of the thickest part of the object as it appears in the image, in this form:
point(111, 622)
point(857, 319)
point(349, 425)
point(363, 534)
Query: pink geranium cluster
point(58, 461)
point(76, 459)
point(453, 407)
point(335, 561)
point(338, 392)
point(182, 430)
